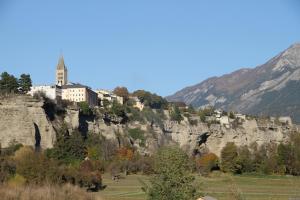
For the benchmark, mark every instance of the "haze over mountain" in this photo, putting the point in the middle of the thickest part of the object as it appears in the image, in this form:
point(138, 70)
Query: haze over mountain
point(269, 89)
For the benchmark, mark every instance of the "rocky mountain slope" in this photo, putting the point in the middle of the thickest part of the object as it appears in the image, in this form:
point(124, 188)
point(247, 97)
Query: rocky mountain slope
point(269, 89)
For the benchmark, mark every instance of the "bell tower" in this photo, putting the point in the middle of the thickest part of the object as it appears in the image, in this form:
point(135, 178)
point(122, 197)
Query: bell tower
point(61, 72)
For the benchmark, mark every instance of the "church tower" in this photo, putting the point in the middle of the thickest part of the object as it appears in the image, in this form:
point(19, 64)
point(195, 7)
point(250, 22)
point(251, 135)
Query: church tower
point(61, 72)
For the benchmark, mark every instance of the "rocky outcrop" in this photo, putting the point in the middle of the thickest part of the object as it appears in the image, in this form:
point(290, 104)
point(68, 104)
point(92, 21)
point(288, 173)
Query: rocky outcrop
point(201, 137)
point(23, 120)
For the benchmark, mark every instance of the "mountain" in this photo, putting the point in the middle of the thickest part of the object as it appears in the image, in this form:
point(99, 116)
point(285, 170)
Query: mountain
point(269, 89)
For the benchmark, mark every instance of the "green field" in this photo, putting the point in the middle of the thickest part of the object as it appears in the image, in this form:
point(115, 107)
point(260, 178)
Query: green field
point(222, 187)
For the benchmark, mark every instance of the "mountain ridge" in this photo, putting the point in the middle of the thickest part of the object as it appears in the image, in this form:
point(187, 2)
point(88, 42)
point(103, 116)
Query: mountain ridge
point(255, 91)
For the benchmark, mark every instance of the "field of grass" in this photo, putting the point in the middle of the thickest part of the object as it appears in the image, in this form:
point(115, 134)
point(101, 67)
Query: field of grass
point(221, 187)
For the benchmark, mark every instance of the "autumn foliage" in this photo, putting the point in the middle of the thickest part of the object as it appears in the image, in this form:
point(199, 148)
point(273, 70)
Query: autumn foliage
point(125, 153)
point(206, 163)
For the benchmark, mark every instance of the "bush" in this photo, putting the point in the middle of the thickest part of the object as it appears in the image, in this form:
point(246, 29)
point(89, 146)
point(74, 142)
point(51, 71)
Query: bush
point(175, 114)
point(206, 163)
point(136, 134)
point(45, 192)
point(16, 181)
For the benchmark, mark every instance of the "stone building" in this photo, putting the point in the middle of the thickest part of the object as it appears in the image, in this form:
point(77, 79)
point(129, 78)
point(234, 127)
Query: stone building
point(61, 72)
point(79, 93)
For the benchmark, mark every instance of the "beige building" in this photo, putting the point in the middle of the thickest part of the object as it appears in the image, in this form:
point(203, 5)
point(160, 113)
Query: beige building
point(79, 93)
point(109, 96)
point(61, 72)
point(138, 104)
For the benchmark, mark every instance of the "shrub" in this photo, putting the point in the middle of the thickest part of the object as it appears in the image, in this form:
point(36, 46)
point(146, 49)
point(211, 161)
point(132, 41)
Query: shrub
point(69, 148)
point(175, 114)
point(45, 192)
point(16, 181)
point(207, 163)
point(136, 134)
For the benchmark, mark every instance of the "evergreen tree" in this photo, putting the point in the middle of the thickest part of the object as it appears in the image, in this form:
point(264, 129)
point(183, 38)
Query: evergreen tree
point(8, 83)
point(25, 83)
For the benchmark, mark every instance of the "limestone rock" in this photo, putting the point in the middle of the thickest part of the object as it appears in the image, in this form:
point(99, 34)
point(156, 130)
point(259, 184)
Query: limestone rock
point(22, 119)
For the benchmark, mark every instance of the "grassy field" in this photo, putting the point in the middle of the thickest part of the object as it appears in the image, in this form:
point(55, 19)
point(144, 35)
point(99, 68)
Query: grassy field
point(222, 187)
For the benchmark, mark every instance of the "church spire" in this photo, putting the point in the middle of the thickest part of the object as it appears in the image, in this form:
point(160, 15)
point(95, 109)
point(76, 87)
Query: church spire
point(61, 63)
point(61, 72)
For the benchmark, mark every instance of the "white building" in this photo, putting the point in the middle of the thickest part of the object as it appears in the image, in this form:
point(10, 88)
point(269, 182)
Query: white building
point(224, 121)
point(53, 92)
point(109, 96)
point(240, 116)
point(285, 120)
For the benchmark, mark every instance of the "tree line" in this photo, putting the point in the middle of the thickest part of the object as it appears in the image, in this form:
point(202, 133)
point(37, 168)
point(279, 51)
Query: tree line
point(10, 84)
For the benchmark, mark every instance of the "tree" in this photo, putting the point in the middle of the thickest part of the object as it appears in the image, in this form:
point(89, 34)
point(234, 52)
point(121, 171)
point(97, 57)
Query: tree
point(25, 83)
point(231, 115)
point(245, 159)
point(85, 108)
point(229, 156)
point(207, 163)
point(175, 114)
point(69, 148)
point(172, 179)
point(122, 92)
point(151, 100)
point(8, 83)
point(118, 109)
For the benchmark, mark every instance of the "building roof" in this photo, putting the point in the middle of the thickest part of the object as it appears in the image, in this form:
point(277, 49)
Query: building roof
point(61, 63)
point(74, 85)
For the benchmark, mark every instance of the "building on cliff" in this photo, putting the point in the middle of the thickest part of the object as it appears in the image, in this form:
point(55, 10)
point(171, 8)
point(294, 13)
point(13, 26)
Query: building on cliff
point(53, 92)
point(109, 96)
point(76, 92)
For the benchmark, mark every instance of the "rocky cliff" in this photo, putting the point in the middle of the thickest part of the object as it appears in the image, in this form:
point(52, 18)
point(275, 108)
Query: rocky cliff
point(23, 120)
point(269, 89)
point(201, 137)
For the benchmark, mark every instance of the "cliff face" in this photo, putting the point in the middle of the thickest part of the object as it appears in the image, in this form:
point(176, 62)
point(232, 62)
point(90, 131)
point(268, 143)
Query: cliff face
point(23, 119)
point(200, 137)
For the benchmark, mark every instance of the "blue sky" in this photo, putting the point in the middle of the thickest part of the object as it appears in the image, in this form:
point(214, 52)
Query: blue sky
point(157, 45)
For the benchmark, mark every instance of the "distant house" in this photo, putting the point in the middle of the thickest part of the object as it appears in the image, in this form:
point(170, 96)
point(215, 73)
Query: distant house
point(109, 96)
point(224, 121)
point(180, 104)
point(53, 92)
point(286, 120)
point(137, 103)
point(76, 92)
